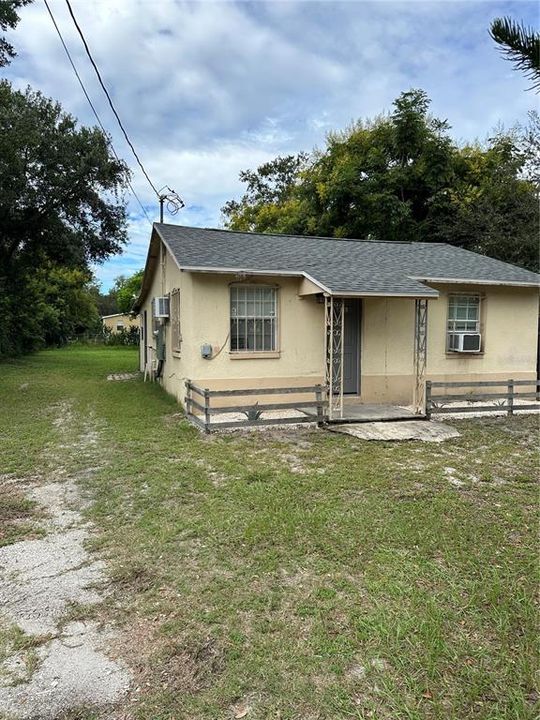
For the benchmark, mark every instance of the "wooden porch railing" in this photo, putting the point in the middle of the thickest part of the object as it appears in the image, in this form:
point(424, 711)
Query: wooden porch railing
point(253, 412)
point(505, 397)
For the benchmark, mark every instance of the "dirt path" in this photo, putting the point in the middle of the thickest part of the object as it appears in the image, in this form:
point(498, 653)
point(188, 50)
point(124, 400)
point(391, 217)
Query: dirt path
point(40, 581)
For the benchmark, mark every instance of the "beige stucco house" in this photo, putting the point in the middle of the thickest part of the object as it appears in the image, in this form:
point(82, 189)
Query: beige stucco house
point(371, 320)
point(119, 321)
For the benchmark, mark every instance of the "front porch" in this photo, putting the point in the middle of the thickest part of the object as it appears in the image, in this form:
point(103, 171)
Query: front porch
point(242, 407)
point(344, 358)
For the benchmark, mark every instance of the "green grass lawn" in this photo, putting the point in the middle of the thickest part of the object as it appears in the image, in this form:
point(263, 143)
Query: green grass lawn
point(298, 574)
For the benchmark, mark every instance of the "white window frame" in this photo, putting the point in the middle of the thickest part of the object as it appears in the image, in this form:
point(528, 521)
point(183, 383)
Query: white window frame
point(467, 324)
point(253, 316)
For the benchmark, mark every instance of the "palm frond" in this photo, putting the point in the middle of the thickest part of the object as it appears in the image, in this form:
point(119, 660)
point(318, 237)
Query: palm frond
point(520, 44)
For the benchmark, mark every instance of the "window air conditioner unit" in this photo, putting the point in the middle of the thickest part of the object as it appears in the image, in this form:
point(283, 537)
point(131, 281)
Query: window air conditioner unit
point(160, 307)
point(466, 342)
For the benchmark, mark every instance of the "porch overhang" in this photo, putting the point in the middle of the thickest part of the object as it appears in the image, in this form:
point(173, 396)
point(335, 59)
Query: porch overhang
point(432, 295)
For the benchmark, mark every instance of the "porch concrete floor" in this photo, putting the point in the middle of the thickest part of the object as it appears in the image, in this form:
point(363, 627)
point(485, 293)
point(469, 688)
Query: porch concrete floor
point(358, 412)
point(363, 412)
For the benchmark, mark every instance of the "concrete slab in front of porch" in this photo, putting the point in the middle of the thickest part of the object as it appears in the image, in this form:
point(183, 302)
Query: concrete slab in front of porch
point(386, 431)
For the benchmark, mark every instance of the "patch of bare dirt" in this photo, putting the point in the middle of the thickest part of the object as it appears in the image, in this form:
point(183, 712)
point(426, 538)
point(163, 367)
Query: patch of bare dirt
point(40, 579)
point(190, 667)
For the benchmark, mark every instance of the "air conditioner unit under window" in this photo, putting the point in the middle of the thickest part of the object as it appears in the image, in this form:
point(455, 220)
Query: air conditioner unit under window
point(465, 342)
point(160, 307)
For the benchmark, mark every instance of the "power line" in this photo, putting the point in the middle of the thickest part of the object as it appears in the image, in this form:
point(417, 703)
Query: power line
point(117, 116)
point(109, 141)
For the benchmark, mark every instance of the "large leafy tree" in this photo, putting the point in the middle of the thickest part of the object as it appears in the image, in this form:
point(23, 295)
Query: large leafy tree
point(48, 307)
point(120, 298)
point(267, 187)
point(65, 305)
point(520, 44)
point(376, 178)
point(104, 301)
point(401, 177)
point(60, 189)
point(9, 18)
point(61, 202)
point(526, 137)
point(126, 290)
point(491, 208)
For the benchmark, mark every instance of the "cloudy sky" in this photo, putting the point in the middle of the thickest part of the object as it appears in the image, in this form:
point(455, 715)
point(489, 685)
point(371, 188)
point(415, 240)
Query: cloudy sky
point(206, 89)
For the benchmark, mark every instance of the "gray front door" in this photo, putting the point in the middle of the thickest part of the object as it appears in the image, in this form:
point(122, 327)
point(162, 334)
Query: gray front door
point(351, 348)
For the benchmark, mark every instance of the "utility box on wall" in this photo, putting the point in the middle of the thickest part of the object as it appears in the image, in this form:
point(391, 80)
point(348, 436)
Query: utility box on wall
point(206, 351)
point(160, 343)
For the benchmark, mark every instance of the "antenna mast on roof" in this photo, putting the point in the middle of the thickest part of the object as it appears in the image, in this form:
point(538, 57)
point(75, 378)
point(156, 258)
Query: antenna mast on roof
point(173, 200)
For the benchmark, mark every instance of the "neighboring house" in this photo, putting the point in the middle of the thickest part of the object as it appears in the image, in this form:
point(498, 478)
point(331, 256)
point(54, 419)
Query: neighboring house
point(232, 310)
point(119, 321)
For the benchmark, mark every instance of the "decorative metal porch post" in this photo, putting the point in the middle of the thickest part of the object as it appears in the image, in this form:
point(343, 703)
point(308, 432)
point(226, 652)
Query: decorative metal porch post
point(420, 355)
point(334, 329)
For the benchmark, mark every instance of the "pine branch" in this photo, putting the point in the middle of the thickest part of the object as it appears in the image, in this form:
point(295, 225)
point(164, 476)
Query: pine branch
point(520, 44)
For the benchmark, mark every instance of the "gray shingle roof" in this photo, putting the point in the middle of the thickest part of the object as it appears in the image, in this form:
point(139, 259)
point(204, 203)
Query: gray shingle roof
point(341, 266)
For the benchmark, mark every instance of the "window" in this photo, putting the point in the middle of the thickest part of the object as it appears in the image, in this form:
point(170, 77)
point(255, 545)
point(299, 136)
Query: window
point(463, 318)
point(119, 326)
point(176, 335)
point(253, 318)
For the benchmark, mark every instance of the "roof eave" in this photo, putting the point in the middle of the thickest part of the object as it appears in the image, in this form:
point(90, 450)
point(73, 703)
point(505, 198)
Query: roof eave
point(472, 281)
point(151, 260)
point(238, 271)
point(430, 293)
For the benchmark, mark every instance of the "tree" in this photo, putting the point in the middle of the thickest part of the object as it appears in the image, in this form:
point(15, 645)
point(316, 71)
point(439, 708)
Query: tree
point(377, 178)
point(401, 177)
point(520, 44)
point(64, 304)
point(61, 201)
point(60, 189)
point(491, 208)
point(8, 20)
point(126, 290)
point(270, 185)
point(120, 298)
point(105, 302)
point(53, 305)
point(527, 140)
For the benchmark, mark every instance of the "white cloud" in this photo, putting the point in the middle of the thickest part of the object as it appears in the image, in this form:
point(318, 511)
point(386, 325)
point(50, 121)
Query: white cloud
point(208, 89)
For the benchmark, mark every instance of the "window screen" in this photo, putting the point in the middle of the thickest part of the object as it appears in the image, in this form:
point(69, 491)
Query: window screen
point(253, 318)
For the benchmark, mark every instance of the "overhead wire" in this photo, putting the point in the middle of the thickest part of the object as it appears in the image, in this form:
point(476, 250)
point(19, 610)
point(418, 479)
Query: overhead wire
point(96, 115)
point(104, 88)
